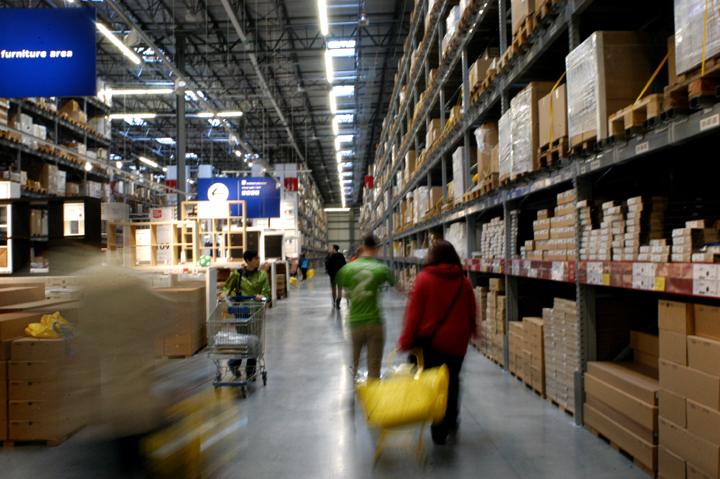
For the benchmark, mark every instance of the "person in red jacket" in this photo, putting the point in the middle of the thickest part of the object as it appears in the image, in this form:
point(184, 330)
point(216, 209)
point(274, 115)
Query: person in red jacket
point(440, 318)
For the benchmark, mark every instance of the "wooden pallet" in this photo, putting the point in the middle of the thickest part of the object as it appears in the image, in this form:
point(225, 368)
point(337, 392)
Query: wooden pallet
point(617, 448)
point(631, 119)
point(521, 38)
point(34, 188)
point(471, 195)
point(504, 63)
point(49, 443)
point(553, 152)
point(693, 90)
point(490, 183)
point(505, 181)
point(583, 148)
point(561, 407)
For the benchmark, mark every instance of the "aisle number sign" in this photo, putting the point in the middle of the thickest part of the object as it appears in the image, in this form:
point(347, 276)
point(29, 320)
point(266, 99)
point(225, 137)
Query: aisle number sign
point(261, 194)
point(47, 52)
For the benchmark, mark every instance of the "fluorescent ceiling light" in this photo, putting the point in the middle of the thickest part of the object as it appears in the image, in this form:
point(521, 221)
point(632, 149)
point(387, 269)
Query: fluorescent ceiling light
point(347, 174)
point(238, 153)
point(151, 91)
point(337, 143)
point(148, 162)
point(343, 90)
point(135, 121)
point(126, 51)
point(333, 103)
point(165, 141)
point(165, 168)
point(88, 166)
point(334, 44)
point(345, 138)
point(337, 210)
point(336, 129)
point(340, 168)
point(347, 152)
point(118, 164)
point(347, 164)
point(322, 7)
point(214, 122)
point(345, 118)
point(347, 182)
point(228, 114)
point(342, 52)
point(339, 157)
point(329, 66)
point(124, 116)
point(205, 114)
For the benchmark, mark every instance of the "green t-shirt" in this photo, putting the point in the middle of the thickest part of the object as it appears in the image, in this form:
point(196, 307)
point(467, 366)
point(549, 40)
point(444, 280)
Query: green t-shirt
point(362, 279)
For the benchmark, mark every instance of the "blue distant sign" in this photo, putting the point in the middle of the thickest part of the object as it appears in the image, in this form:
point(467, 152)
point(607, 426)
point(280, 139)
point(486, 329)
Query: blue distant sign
point(261, 195)
point(47, 52)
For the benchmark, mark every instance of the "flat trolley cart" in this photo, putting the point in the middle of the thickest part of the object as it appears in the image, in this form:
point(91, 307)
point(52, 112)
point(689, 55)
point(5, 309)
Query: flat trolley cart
point(236, 330)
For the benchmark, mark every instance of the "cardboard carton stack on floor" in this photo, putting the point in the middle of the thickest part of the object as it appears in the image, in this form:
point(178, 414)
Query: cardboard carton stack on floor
point(185, 308)
point(516, 337)
point(51, 394)
point(482, 340)
point(690, 390)
point(533, 329)
point(560, 339)
point(622, 405)
point(496, 316)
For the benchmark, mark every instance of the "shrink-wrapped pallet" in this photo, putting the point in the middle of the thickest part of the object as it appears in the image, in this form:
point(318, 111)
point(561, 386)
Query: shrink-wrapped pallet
point(605, 74)
point(420, 204)
point(689, 30)
point(524, 129)
point(486, 137)
point(505, 145)
point(459, 180)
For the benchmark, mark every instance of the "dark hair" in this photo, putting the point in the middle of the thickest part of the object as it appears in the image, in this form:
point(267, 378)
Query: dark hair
point(336, 247)
point(249, 255)
point(442, 252)
point(369, 241)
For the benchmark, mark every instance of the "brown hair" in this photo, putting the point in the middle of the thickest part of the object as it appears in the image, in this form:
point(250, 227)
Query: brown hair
point(370, 241)
point(442, 252)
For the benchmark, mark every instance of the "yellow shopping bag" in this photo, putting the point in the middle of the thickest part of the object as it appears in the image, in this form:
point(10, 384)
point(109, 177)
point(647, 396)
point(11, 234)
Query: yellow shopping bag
point(45, 329)
point(406, 399)
point(310, 274)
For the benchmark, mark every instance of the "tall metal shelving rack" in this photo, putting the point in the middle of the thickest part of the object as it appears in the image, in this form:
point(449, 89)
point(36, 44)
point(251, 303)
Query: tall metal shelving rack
point(401, 130)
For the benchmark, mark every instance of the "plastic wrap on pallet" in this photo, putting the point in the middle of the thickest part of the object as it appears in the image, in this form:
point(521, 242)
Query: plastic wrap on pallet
point(689, 30)
point(459, 180)
point(486, 137)
point(420, 203)
point(456, 235)
point(452, 21)
point(521, 133)
point(582, 76)
point(505, 144)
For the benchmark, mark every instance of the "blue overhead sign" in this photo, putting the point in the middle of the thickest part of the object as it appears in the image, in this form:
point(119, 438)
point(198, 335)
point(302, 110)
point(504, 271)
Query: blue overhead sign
point(46, 52)
point(261, 195)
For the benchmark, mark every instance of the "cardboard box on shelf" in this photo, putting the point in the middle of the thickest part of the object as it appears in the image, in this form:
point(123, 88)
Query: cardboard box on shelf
point(675, 316)
point(628, 377)
point(694, 472)
point(703, 421)
point(691, 383)
point(672, 407)
point(643, 342)
point(641, 412)
point(690, 446)
point(707, 321)
point(673, 347)
point(670, 465)
point(704, 355)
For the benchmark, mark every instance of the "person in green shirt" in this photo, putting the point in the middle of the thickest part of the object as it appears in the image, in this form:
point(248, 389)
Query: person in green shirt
point(247, 281)
point(362, 279)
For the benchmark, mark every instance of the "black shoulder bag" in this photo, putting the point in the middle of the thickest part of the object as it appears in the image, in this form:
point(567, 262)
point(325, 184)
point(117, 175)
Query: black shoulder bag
point(425, 342)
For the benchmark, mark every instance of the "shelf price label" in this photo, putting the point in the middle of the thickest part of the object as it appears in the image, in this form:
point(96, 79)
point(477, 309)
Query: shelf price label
point(659, 283)
point(515, 268)
point(532, 273)
point(558, 271)
point(643, 147)
point(606, 279)
point(710, 122)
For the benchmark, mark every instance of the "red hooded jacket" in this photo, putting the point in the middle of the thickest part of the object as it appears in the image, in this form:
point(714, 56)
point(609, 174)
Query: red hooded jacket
point(430, 297)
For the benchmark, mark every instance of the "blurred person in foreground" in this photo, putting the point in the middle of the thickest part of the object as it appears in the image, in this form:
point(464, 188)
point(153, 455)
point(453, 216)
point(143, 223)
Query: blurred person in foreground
point(247, 281)
point(362, 279)
point(440, 319)
point(333, 265)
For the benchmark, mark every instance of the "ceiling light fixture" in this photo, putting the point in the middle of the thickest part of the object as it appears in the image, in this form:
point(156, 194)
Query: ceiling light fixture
point(88, 166)
point(127, 116)
point(118, 164)
point(336, 128)
point(238, 153)
point(148, 162)
point(126, 51)
point(329, 66)
point(322, 7)
point(339, 157)
point(333, 103)
point(229, 114)
point(205, 115)
point(155, 91)
point(337, 143)
point(336, 210)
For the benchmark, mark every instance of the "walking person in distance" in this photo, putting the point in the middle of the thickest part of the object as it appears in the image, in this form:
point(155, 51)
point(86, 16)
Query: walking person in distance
point(440, 319)
point(334, 263)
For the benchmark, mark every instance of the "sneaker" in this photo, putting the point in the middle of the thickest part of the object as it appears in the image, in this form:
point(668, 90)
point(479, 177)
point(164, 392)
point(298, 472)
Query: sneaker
point(337, 304)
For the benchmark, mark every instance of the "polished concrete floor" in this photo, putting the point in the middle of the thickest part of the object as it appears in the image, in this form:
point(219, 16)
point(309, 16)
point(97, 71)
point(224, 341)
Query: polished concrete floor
point(305, 424)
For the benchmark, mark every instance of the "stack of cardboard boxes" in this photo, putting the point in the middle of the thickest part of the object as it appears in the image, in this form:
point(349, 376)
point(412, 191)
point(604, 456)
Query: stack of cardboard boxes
point(482, 342)
point(690, 390)
point(516, 337)
point(688, 244)
point(493, 239)
point(622, 405)
point(534, 345)
point(553, 232)
point(495, 315)
point(560, 340)
point(185, 308)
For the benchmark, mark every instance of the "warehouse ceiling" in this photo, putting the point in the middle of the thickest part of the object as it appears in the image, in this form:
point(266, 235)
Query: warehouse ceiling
point(276, 76)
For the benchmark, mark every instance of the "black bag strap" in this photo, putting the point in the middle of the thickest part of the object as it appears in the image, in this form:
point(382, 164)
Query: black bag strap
point(447, 313)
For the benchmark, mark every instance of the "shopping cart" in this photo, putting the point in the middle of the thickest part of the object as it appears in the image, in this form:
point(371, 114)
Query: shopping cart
point(236, 330)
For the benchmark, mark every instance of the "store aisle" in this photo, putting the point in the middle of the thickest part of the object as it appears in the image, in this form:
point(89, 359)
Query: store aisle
point(304, 423)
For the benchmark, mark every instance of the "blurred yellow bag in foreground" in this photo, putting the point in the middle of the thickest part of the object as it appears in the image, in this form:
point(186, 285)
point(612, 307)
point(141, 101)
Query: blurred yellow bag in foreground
point(310, 273)
point(44, 329)
point(404, 400)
